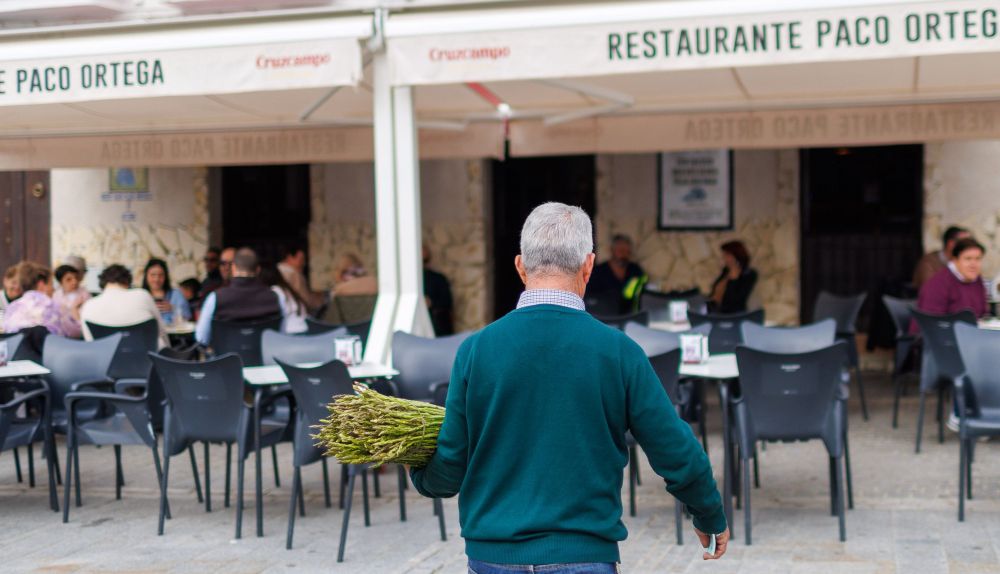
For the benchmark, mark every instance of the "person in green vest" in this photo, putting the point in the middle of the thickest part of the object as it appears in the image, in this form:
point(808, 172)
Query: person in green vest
point(533, 439)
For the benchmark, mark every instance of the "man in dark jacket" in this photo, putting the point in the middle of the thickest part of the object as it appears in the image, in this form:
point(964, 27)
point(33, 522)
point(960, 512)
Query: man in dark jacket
point(244, 298)
point(607, 287)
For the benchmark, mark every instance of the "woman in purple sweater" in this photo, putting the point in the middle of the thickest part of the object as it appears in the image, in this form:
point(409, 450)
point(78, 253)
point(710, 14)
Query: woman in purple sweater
point(959, 286)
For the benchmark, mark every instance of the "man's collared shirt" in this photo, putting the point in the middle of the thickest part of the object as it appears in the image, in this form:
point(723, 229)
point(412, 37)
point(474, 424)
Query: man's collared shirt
point(551, 297)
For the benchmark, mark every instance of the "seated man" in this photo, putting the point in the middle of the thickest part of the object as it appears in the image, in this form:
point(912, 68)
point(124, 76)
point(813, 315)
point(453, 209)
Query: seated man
point(244, 298)
point(292, 269)
point(610, 278)
point(120, 305)
point(935, 261)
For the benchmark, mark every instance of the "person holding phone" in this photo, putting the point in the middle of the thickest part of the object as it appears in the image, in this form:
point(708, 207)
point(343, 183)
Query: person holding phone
point(170, 302)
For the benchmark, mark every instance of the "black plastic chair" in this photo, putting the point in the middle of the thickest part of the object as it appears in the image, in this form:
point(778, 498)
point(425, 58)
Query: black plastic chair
point(242, 338)
point(658, 302)
point(24, 431)
point(726, 334)
point(977, 393)
point(802, 339)
point(77, 365)
point(605, 303)
point(205, 404)
point(790, 397)
point(657, 341)
point(424, 365)
point(298, 349)
point(901, 311)
point(941, 362)
point(131, 360)
point(619, 321)
point(844, 310)
point(26, 344)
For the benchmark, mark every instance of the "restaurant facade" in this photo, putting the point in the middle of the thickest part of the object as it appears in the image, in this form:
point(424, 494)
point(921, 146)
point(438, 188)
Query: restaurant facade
point(405, 119)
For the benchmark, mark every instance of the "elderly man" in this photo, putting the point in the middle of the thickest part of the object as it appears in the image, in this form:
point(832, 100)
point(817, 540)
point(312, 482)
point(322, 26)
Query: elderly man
point(243, 298)
point(933, 262)
point(537, 410)
point(614, 282)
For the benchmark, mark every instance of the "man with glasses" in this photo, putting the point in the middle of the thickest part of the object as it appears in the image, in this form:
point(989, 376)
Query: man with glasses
point(219, 265)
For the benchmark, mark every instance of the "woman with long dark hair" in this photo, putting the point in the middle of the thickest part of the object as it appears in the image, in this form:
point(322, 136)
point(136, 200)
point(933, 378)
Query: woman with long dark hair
point(170, 302)
point(732, 288)
point(293, 308)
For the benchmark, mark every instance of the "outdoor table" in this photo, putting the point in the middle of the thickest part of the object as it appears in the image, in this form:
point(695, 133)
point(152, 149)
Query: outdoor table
point(21, 369)
point(992, 324)
point(683, 326)
point(270, 375)
point(180, 329)
point(720, 368)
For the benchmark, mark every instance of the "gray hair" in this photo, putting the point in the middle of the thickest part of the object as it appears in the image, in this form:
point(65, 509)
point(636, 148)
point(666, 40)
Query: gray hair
point(556, 239)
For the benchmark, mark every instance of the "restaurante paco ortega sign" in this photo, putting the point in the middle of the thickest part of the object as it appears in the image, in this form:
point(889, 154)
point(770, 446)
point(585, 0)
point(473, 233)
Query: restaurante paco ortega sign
point(218, 70)
point(909, 29)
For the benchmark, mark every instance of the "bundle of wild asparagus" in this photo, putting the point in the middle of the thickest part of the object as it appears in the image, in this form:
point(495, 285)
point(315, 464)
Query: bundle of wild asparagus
point(370, 427)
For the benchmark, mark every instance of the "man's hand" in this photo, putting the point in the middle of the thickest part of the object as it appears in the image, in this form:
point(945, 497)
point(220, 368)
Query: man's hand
point(720, 544)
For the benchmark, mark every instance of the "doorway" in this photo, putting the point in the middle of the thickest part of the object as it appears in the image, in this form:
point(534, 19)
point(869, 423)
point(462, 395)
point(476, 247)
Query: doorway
point(24, 217)
point(266, 207)
point(862, 219)
point(520, 185)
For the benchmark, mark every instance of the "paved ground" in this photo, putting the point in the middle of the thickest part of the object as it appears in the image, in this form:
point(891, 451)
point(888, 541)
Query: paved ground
point(904, 519)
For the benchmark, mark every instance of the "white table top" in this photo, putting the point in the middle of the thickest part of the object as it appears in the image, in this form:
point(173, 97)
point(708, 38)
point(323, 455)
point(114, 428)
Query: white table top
point(685, 326)
point(182, 328)
point(17, 369)
point(992, 324)
point(273, 375)
point(717, 367)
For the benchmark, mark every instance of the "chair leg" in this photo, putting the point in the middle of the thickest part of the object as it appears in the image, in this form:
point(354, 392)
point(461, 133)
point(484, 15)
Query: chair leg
point(897, 391)
point(347, 513)
point(364, 496)
point(850, 482)
point(940, 414)
point(291, 508)
point(208, 481)
point(326, 484)
point(69, 475)
point(343, 483)
point(240, 468)
point(159, 472)
point(229, 468)
point(631, 486)
point(50, 461)
point(634, 456)
point(402, 493)
point(756, 469)
point(55, 463)
point(841, 513)
point(163, 487)
point(833, 488)
point(194, 471)
point(274, 461)
point(702, 428)
point(920, 418)
point(76, 471)
point(968, 469)
point(746, 502)
point(440, 514)
point(376, 482)
point(962, 464)
point(302, 497)
point(17, 465)
point(31, 465)
point(861, 391)
point(119, 475)
point(679, 522)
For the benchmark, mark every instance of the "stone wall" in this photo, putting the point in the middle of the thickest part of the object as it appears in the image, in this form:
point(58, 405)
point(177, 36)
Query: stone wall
point(172, 225)
point(961, 188)
point(766, 216)
point(454, 227)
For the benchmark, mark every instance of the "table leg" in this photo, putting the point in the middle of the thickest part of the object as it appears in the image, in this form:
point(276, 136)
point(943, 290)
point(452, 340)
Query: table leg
point(256, 445)
point(727, 450)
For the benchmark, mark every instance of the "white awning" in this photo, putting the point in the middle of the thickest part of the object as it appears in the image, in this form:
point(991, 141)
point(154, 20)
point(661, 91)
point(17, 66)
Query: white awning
point(202, 76)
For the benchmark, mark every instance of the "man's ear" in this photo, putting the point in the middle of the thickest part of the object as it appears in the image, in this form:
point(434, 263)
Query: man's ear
point(588, 267)
point(519, 265)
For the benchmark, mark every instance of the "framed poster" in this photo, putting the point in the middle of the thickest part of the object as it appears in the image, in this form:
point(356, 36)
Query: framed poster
point(696, 190)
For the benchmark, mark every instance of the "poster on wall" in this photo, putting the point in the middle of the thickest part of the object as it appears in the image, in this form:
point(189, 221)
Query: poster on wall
point(128, 184)
point(696, 190)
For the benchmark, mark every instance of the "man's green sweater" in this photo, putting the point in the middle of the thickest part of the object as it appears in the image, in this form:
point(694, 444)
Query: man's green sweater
point(534, 440)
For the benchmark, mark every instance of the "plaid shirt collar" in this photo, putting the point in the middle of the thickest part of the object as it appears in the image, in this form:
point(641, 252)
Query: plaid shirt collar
point(550, 297)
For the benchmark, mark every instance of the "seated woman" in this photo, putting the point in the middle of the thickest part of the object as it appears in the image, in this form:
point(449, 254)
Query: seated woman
point(959, 286)
point(70, 295)
point(732, 288)
point(35, 308)
point(119, 305)
point(171, 302)
point(293, 307)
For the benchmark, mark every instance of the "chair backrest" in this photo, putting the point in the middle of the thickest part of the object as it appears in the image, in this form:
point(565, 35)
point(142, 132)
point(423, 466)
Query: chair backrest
point(726, 333)
point(131, 360)
point(297, 349)
point(941, 356)
point(978, 348)
point(789, 396)
point(789, 339)
point(603, 303)
point(13, 341)
point(901, 311)
point(242, 338)
point(71, 361)
point(155, 396)
point(423, 361)
point(205, 398)
point(656, 341)
point(315, 387)
point(315, 326)
point(667, 368)
point(619, 321)
point(843, 309)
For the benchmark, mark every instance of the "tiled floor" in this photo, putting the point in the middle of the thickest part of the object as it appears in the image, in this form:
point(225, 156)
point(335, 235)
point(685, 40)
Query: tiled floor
point(904, 519)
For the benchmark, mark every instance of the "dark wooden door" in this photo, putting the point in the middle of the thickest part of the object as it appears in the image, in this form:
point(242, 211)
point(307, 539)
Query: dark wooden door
point(862, 218)
point(266, 207)
point(520, 185)
point(24, 217)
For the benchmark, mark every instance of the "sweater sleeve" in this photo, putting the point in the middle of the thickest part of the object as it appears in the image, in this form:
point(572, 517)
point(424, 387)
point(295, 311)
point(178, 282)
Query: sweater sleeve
point(444, 474)
point(668, 442)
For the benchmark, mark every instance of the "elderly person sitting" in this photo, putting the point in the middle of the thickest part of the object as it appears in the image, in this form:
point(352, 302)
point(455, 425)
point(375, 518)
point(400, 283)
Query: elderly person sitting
point(958, 286)
point(35, 308)
point(548, 392)
point(11, 290)
point(244, 298)
point(119, 305)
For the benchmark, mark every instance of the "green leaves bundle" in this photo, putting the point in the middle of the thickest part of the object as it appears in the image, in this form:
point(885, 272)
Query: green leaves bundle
point(370, 427)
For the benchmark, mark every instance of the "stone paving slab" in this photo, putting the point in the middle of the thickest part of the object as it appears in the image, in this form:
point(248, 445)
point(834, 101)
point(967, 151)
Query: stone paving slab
point(905, 516)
